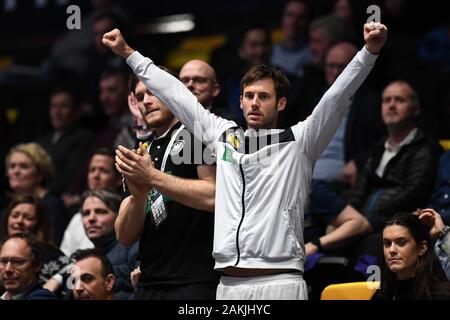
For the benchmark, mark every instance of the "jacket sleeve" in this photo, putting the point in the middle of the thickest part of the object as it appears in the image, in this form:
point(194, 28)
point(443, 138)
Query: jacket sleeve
point(205, 126)
point(315, 133)
point(442, 249)
point(414, 191)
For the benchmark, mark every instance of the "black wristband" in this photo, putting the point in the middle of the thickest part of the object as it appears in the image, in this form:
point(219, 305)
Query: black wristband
point(316, 242)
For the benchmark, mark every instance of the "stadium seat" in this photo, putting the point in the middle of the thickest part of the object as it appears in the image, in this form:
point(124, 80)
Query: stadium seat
point(350, 291)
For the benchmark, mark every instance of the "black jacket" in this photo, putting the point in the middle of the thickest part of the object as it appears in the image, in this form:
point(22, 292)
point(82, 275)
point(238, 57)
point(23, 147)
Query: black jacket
point(39, 293)
point(407, 181)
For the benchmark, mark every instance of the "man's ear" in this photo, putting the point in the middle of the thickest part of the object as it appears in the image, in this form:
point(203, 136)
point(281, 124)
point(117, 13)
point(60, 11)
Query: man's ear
point(241, 106)
point(109, 282)
point(281, 105)
point(216, 90)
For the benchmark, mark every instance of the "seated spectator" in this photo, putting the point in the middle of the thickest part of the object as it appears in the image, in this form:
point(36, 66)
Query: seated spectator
point(113, 95)
point(94, 275)
point(410, 268)
point(324, 32)
point(29, 215)
point(99, 213)
point(398, 175)
point(67, 142)
point(293, 52)
point(102, 175)
point(20, 262)
point(440, 198)
point(29, 168)
point(439, 232)
point(199, 77)
point(255, 47)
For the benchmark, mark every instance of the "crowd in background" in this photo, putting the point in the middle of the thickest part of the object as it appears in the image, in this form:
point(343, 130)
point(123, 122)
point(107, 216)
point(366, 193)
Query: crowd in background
point(60, 125)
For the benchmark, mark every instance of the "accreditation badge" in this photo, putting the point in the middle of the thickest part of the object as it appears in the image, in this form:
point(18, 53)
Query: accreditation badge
point(155, 206)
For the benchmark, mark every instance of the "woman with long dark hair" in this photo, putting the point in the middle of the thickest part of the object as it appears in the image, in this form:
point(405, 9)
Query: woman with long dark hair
point(410, 269)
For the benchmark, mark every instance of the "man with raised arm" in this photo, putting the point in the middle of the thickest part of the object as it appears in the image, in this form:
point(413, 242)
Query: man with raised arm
point(263, 174)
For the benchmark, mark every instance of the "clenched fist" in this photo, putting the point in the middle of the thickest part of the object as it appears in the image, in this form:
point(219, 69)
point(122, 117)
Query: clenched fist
point(115, 41)
point(375, 36)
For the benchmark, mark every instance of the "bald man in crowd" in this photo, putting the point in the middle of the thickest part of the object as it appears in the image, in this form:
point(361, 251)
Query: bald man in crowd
point(199, 77)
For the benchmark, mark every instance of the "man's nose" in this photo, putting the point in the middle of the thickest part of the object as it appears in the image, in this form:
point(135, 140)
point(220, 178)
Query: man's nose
point(78, 287)
point(8, 267)
point(255, 102)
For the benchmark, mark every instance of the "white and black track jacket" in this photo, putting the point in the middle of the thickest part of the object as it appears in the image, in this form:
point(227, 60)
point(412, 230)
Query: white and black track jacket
point(263, 177)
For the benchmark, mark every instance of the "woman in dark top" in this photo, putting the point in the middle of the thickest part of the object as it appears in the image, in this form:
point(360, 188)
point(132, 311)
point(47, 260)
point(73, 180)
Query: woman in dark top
point(410, 268)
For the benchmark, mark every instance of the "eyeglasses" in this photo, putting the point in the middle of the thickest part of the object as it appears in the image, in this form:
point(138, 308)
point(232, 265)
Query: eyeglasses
point(197, 80)
point(15, 262)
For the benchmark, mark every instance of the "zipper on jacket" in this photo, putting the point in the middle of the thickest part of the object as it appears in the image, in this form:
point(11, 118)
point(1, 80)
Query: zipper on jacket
point(242, 217)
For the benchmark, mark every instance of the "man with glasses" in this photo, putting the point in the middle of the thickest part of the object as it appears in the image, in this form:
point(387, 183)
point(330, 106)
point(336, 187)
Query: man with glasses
point(200, 78)
point(20, 263)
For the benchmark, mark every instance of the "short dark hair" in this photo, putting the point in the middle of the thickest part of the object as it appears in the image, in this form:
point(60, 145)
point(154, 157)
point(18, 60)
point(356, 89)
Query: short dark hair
point(66, 89)
point(134, 80)
point(82, 254)
point(117, 21)
point(111, 200)
point(263, 71)
point(103, 151)
point(107, 152)
point(115, 72)
point(35, 246)
point(255, 25)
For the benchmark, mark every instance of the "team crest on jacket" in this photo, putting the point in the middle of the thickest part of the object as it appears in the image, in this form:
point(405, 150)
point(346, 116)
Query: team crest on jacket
point(235, 139)
point(177, 147)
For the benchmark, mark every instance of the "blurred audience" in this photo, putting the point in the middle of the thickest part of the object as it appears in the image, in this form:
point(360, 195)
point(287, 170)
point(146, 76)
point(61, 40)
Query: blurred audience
point(102, 175)
point(67, 141)
point(293, 52)
point(29, 169)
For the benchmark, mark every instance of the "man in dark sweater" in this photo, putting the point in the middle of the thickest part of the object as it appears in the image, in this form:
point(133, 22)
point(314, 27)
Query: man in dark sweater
point(99, 212)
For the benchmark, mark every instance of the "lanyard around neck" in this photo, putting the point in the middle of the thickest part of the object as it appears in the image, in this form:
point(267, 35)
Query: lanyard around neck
point(169, 147)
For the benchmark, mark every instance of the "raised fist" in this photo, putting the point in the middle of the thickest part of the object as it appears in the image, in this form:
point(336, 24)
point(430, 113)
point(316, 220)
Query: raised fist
point(375, 36)
point(115, 41)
